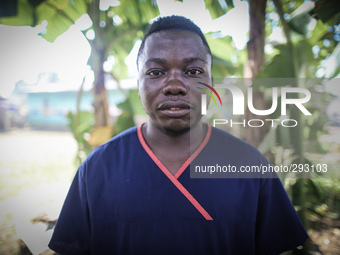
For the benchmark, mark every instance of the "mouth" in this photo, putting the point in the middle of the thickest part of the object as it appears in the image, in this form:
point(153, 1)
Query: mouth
point(175, 109)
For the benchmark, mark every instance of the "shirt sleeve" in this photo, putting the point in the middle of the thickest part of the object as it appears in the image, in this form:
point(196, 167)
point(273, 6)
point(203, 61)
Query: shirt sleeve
point(278, 227)
point(72, 232)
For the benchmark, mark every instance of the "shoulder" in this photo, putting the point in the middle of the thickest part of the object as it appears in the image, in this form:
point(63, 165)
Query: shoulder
point(116, 147)
point(124, 138)
point(234, 145)
point(129, 134)
point(237, 158)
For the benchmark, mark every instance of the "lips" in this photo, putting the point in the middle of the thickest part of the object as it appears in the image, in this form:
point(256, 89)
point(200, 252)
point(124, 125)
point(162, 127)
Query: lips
point(175, 109)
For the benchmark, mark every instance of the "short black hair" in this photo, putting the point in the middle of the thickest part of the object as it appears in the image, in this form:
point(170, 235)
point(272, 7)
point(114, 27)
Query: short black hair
point(173, 22)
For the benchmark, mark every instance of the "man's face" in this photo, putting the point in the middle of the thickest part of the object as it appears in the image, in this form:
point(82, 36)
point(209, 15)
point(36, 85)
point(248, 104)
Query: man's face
point(170, 66)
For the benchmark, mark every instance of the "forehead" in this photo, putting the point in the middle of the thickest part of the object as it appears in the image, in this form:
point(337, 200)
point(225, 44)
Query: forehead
point(174, 44)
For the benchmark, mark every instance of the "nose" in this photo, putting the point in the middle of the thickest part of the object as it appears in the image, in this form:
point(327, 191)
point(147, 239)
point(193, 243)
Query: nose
point(175, 84)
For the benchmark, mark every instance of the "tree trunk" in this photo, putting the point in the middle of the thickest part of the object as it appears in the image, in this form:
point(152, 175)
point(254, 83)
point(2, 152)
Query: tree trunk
point(100, 103)
point(255, 47)
point(96, 61)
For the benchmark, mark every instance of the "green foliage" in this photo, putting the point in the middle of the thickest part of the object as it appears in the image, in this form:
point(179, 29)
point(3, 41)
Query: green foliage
point(120, 69)
point(301, 19)
point(120, 38)
point(81, 124)
point(333, 63)
point(295, 59)
point(216, 9)
point(322, 195)
point(274, 68)
point(318, 32)
point(60, 15)
point(23, 17)
point(223, 51)
point(136, 103)
point(326, 9)
point(135, 13)
point(125, 119)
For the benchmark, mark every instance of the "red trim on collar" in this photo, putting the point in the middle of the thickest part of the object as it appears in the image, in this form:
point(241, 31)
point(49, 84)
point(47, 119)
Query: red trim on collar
point(195, 154)
point(173, 178)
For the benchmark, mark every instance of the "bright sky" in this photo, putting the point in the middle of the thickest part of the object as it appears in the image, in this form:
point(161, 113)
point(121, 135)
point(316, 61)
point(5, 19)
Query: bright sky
point(24, 54)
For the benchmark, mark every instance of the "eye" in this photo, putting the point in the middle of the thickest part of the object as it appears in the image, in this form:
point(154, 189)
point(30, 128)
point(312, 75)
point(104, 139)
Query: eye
point(194, 72)
point(155, 73)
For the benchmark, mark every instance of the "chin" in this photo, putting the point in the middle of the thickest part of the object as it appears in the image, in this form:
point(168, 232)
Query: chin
point(175, 131)
point(173, 126)
point(177, 127)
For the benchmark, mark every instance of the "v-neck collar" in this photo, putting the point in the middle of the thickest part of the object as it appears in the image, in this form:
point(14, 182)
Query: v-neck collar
point(173, 178)
point(164, 169)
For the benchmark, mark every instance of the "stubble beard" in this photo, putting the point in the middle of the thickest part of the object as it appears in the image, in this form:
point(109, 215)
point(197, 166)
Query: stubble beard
point(176, 129)
point(172, 132)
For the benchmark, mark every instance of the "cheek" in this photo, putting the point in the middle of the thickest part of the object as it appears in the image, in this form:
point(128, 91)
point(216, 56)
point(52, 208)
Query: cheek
point(145, 97)
point(196, 95)
point(142, 97)
point(148, 92)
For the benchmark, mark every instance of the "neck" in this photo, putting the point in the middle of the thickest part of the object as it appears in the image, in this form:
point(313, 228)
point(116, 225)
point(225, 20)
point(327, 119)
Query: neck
point(191, 139)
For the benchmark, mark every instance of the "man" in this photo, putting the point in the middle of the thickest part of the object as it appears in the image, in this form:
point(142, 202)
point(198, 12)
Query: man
point(134, 194)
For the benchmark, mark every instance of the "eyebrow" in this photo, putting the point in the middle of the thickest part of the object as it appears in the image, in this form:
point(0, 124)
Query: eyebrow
point(156, 60)
point(193, 59)
point(185, 60)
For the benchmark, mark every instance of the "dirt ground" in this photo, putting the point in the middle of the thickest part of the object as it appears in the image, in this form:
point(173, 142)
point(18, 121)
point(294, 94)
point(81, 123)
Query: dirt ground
point(327, 237)
point(36, 169)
